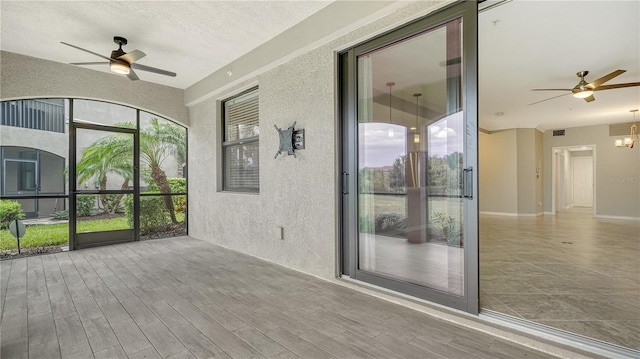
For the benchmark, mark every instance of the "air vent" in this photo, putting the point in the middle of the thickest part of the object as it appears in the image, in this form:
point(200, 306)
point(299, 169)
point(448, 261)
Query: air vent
point(558, 132)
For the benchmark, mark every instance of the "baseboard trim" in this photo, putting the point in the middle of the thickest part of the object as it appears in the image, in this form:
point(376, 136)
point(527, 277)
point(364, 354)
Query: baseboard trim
point(511, 214)
point(504, 214)
point(625, 218)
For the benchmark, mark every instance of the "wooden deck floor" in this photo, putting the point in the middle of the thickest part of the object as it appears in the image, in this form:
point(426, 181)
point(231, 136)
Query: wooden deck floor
point(185, 298)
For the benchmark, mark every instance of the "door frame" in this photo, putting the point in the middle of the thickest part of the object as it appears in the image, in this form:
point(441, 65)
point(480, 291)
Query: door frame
point(92, 239)
point(554, 175)
point(347, 86)
point(36, 189)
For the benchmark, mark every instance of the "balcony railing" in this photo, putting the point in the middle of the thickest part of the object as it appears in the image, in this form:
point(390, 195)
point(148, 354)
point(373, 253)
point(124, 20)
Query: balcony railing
point(45, 115)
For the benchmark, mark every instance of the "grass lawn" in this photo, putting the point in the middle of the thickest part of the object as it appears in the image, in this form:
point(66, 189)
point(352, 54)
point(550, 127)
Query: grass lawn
point(397, 204)
point(56, 234)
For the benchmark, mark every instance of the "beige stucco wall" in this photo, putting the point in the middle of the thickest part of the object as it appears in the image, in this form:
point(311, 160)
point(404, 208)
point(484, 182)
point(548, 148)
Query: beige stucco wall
point(298, 194)
point(498, 172)
point(617, 177)
point(29, 77)
point(56, 143)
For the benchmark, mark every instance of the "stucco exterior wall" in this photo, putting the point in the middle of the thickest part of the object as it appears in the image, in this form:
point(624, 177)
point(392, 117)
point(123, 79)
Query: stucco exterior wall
point(29, 77)
point(299, 194)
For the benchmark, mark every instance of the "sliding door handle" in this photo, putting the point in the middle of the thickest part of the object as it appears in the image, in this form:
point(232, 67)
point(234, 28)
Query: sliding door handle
point(345, 183)
point(467, 183)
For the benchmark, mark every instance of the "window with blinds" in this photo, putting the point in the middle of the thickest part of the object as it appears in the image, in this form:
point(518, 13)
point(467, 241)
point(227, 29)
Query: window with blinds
point(241, 159)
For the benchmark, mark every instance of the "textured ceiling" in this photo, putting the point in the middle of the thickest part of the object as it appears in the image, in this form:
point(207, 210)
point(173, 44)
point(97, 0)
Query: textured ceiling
point(523, 44)
point(191, 38)
point(542, 44)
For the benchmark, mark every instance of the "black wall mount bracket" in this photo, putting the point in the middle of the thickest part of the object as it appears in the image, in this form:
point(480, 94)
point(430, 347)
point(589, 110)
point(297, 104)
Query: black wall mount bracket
point(290, 140)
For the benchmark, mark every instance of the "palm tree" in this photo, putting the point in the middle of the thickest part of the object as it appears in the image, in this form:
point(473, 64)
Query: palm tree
point(105, 157)
point(113, 154)
point(158, 141)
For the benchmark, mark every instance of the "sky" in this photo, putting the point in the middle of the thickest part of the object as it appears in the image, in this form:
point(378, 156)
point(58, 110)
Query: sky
point(381, 143)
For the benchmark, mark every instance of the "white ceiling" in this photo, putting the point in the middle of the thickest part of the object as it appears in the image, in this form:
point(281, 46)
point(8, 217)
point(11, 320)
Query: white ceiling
point(191, 38)
point(524, 44)
point(542, 44)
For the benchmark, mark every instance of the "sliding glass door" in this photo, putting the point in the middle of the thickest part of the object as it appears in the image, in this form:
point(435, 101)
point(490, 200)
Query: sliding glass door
point(409, 118)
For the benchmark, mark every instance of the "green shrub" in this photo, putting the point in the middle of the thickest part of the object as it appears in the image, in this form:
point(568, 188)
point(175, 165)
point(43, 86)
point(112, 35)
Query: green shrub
point(85, 205)
point(177, 185)
point(114, 205)
point(59, 215)
point(153, 213)
point(9, 211)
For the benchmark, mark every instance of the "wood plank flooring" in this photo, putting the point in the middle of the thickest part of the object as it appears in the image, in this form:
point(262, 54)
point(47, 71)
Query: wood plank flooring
point(185, 298)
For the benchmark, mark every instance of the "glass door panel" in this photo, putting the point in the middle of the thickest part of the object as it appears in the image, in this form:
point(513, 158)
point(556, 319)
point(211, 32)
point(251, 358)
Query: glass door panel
point(412, 137)
point(104, 187)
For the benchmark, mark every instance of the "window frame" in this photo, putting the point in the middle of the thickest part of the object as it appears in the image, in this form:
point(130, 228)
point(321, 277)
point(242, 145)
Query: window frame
point(234, 143)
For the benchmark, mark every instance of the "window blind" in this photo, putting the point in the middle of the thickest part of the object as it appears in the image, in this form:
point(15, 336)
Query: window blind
point(241, 161)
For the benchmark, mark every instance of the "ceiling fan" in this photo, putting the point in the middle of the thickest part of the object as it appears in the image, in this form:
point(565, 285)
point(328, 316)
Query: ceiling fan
point(585, 90)
point(122, 62)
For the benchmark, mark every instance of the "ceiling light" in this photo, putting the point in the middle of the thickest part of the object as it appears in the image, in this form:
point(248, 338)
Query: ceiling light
point(390, 84)
point(120, 68)
point(583, 94)
point(633, 136)
point(416, 136)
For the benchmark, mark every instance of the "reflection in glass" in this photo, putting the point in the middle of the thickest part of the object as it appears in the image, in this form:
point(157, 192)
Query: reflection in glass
point(410, 160)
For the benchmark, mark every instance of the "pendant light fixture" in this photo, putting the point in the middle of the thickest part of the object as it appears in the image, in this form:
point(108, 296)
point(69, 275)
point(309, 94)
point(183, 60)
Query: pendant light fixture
point(390, 84)
point(633, 136)
point(416, 136)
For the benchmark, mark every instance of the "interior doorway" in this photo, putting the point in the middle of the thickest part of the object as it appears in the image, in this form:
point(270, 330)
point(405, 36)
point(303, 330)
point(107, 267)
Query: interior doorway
point(573, 178)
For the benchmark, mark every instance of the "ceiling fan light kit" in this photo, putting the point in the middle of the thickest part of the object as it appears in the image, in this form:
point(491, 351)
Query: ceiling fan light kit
point(122, 63)
point(583, 94)
point(120, 68)
point(585, 90)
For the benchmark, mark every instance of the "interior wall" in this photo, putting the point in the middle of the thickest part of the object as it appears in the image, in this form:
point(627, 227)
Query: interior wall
point(498, 169)
point(527, 177)
point(299, 194)
point(617, 171)
point(539, 163)
point(29, 77)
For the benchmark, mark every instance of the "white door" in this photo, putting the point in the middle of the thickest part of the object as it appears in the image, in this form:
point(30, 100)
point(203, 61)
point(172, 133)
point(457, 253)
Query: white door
point(582, 181)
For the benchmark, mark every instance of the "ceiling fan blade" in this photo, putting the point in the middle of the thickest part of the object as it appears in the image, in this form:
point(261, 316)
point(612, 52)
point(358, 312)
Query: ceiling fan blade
point(132, 75)
point(595, 84)
point(551, 98)
point(89, 63)
point(153, 69)
point(85, 50)
point(590, 98)
point(552, 90)
point(132, 56)
point(616, 86)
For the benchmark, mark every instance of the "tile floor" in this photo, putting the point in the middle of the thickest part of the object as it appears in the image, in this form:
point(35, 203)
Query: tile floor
point(184, 298)
point(569, 271)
